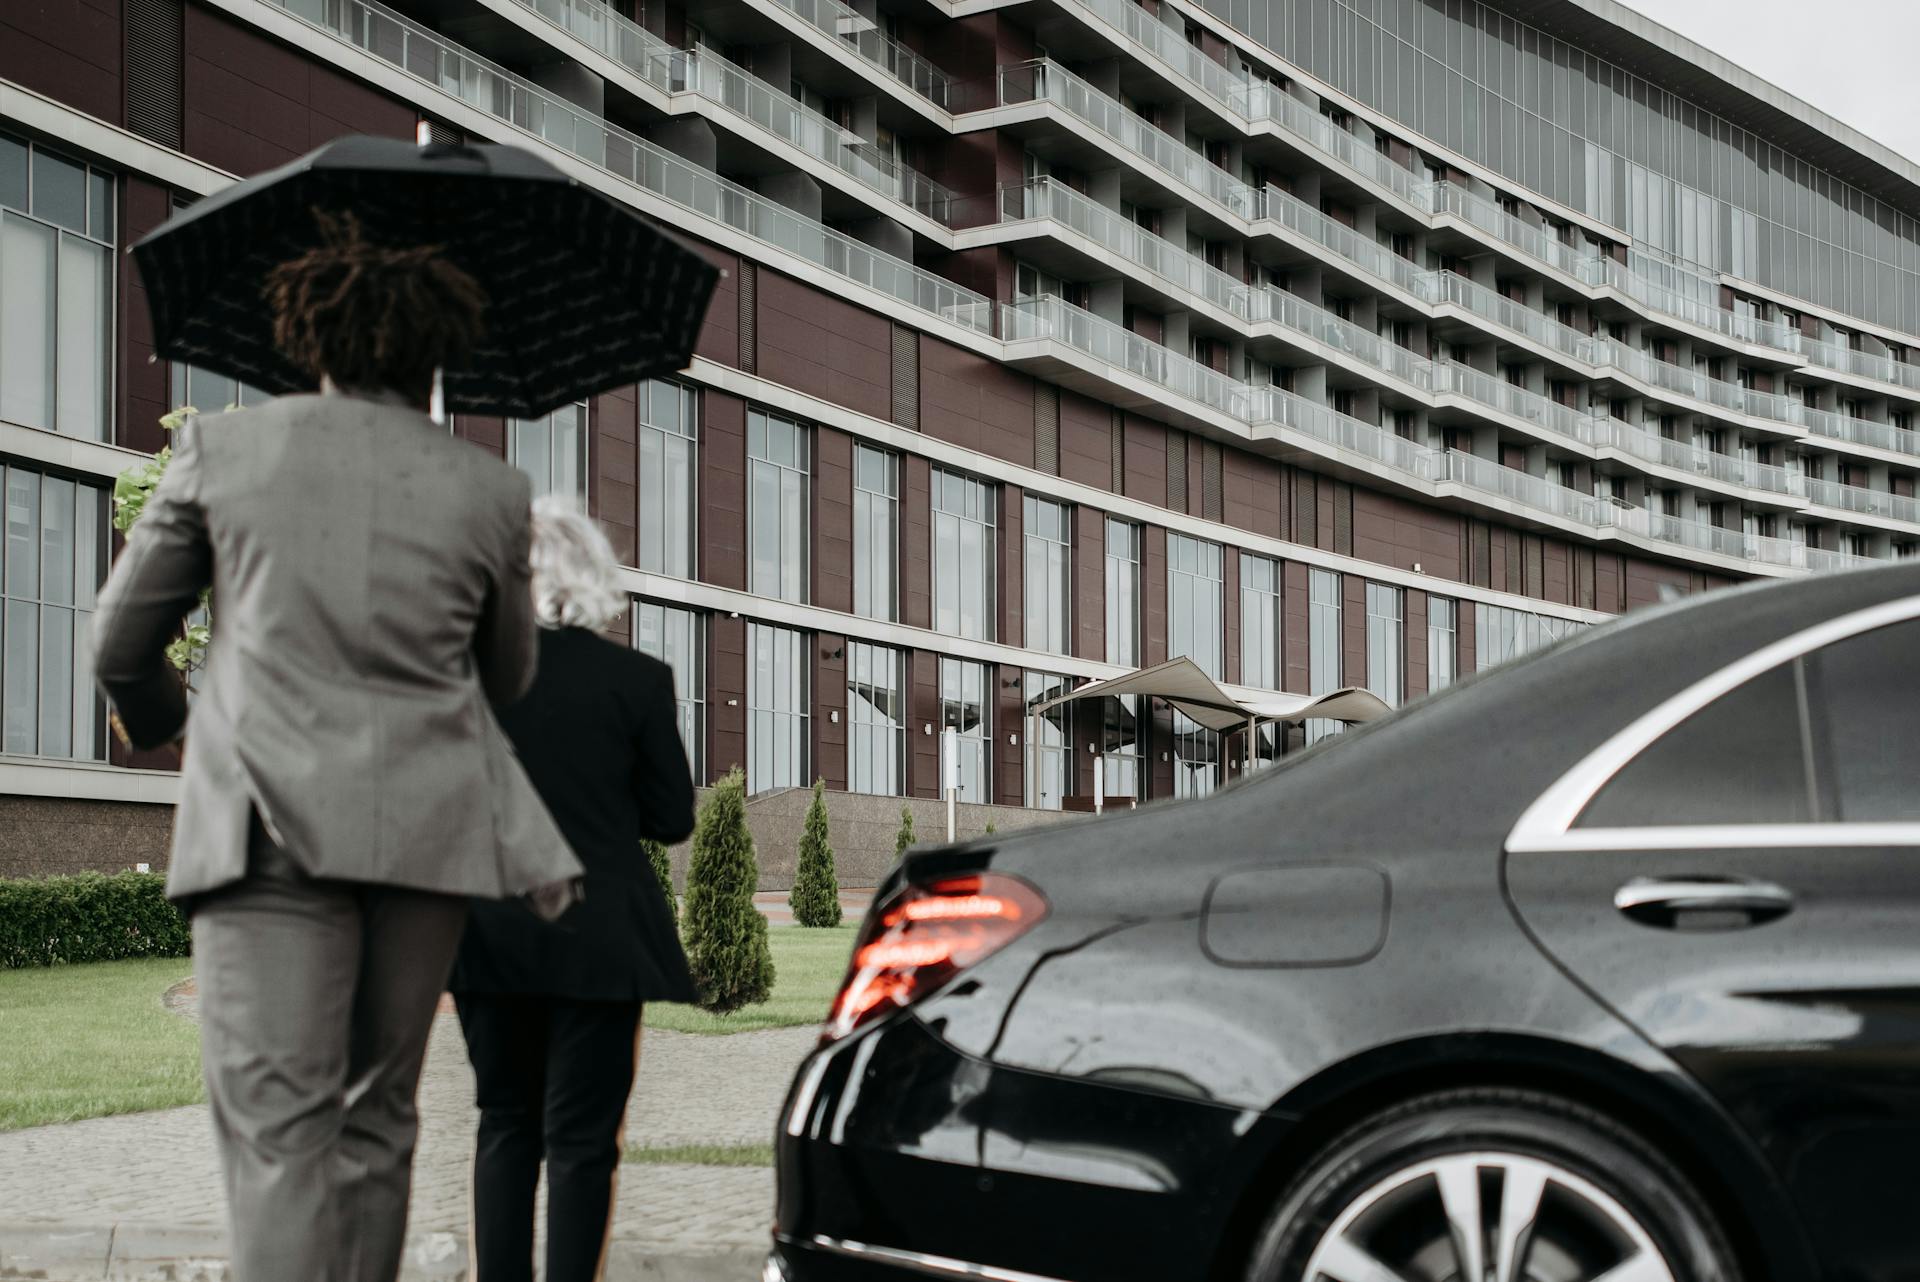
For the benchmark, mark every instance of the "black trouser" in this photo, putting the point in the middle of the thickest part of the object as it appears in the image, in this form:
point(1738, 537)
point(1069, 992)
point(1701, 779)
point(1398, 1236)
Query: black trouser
point(553, 1076)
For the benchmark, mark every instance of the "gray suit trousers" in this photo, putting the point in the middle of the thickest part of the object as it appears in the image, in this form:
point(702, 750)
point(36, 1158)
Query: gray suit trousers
point(316, 999)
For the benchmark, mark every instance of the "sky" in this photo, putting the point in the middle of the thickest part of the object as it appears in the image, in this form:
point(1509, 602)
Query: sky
point(1853, 59)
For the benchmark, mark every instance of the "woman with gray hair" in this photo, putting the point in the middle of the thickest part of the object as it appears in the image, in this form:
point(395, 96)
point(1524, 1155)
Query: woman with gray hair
point(552, 1012)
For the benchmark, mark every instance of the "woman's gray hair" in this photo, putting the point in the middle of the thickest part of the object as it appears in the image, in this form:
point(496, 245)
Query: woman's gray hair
point(576, 580)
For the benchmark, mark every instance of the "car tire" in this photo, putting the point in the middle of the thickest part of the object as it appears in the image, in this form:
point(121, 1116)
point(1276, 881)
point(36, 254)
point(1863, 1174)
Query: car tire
point(1400, 1188)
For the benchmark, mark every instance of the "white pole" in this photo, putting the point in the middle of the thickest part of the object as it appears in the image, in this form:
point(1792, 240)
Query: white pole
point(952, 739)
point(1099, 782)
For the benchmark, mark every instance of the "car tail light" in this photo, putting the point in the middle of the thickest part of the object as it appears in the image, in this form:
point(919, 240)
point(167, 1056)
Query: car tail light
point(925, 935)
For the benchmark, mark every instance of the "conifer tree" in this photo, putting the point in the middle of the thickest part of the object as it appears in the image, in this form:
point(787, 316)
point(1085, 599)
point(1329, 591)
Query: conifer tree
point(815, 897)
point(663, 870)
point(903, 838)
point(726, 937)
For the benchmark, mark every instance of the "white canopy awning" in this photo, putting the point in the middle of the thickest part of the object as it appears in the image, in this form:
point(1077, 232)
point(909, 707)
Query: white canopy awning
point(1181, 683)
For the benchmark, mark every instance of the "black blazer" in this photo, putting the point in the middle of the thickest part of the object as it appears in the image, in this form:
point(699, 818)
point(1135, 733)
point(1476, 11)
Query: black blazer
point(597, 733)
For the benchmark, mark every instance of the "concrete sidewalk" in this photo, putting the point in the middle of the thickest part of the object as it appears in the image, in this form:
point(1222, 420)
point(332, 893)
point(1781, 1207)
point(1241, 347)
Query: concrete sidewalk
point(137, 1198)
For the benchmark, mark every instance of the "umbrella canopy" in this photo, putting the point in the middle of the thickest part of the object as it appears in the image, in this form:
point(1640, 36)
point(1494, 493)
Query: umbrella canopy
point(1181, 684)
point(583, 294)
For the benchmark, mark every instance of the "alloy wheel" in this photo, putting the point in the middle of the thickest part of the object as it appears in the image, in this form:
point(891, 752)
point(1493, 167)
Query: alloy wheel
point(1486, 1217)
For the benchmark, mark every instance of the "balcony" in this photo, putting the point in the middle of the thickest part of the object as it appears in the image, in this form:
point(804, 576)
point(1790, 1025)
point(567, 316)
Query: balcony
point(1883, 436)
point(1350, 440)
point(1048, 82)
point(1724, 468)
point(533, 113)
point(746, 97)
point(867, 42)
point(1859, 499)
point(1050, 200)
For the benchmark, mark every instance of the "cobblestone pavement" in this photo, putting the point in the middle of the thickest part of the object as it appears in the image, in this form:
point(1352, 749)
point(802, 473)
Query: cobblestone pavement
point(159, 1168)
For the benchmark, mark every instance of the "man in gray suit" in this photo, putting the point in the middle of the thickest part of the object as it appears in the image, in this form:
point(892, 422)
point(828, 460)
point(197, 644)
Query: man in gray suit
point(345, 786)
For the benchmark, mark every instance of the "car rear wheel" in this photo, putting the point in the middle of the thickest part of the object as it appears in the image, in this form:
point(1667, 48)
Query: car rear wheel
point(1491, 1186)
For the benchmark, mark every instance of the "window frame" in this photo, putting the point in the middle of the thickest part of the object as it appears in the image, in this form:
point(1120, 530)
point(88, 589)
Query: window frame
point(80, 605)
point(655, 489)
point(584, 412)
point(866, 730)
point(800, 714)
point(690, 688)
point(1548, 824)
point(863, 548)
point(1052, 553)
point(106, 238)
point(797, 543)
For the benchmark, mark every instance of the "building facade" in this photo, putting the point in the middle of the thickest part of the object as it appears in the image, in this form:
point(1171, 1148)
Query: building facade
point(1325, 342)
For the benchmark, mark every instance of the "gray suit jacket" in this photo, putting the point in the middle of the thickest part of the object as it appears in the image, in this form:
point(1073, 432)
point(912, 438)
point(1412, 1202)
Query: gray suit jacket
point(370, 597)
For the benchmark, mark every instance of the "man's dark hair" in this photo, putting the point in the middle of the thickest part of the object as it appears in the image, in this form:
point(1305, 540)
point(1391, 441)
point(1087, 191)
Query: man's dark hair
point(373, 317)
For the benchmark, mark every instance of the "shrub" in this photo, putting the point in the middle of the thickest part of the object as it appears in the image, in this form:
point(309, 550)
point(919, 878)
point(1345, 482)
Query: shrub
point(48, 921)
point(726, 937)
point(903, 838)
point(815, 897)
point(663, 871)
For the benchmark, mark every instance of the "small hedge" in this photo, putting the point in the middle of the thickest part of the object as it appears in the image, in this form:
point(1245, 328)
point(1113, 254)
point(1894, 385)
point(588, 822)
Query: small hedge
point(51, 921)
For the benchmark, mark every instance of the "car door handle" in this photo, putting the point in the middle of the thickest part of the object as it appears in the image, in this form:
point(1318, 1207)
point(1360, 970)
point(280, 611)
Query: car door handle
point(1700, 902)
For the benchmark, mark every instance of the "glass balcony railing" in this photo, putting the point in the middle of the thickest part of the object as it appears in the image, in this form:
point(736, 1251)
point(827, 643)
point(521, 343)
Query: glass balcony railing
point(738, 92)
point(1270, 407)
point(854, 30)
point(532, 112)
point(1884, 436)
point(1045, 81)
point(1664, 286)
point(1737, 544)
point(1726, 468)
point(1857, 498)
point(1051, 200)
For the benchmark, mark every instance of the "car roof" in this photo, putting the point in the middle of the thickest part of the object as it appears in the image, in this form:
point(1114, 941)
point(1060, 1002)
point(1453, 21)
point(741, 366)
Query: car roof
point(1464, 764)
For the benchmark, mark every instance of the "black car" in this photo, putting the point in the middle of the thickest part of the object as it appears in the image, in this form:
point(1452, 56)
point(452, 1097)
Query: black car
point(1603, 966)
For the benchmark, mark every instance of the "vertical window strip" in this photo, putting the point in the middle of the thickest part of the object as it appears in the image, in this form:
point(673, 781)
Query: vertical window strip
point(777, 718)
point(964, 709)
point(1050, 769)
point(669, 442)
point(777, 477)
point(876, 533)
point(677, 637)
point(1045, 533)
point(1194, 599)
point(552, 450)
point(1442, 643)
point(1386, 643)
point(876, 720)
point(963, 555)
point(51, 567)
point(1260, 615)
point(56, 291)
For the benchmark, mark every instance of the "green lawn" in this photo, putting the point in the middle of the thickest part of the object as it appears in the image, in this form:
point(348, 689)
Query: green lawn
point(93, 1040)
point(808, 965)
point(90, 1040)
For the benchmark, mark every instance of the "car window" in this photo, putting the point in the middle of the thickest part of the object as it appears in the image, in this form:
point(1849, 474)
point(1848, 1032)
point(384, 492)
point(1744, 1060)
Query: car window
point(1741, 759)
point(1863, 700)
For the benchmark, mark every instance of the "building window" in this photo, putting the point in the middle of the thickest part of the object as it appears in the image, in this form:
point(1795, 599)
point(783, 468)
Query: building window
point(54, 561)
point(963, 709)
point(876, 720)
point(209, 393)
point(1500, 634)
point(669, 432)
point(1196, 758)
point(1048, 552)
point(1386, 643)
point(963, 521)
point(777, 507)
point(1323, 644)
point(552, 450)
point(1123, 593)
point(1260, 603)
point(677, 638)
point(56, 291)
point(776, 708)
point(876, 533)
point(1049, 742)
point(1443, 653)
point(1194, 589)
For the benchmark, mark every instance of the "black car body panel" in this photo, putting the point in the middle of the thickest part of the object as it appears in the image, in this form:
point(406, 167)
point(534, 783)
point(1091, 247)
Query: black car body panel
point(1121, 1093)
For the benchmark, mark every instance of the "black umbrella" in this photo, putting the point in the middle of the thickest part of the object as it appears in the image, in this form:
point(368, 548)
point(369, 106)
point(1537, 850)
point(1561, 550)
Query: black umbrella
point(584, 294)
